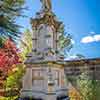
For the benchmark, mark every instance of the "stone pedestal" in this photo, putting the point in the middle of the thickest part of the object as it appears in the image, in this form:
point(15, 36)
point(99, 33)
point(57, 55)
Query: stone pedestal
point(45, 81)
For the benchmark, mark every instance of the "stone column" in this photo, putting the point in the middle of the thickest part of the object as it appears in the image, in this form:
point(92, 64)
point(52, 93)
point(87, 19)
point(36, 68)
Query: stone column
point(62, 78)
point(27, 79)
point(51, 95)
point(55, 40)
point(34, 41)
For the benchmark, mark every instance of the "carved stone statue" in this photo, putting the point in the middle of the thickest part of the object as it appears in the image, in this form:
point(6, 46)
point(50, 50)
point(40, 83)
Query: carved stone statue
point(46, 5)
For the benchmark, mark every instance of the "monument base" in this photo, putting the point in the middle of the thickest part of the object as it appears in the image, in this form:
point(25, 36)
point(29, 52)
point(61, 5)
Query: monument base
point(42, 95)
point(50, 97)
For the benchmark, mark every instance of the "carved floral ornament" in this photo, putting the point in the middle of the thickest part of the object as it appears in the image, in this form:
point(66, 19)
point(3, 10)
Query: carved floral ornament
point(48, 20)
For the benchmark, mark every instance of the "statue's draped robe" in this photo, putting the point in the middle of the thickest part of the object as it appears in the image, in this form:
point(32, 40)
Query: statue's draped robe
point(46, 4)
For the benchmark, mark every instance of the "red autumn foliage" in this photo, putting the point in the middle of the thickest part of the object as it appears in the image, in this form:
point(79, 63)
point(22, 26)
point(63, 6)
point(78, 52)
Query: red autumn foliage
point(8, 55)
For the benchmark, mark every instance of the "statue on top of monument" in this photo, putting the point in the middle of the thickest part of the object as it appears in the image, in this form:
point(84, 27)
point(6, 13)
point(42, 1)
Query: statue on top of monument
point(46, 5)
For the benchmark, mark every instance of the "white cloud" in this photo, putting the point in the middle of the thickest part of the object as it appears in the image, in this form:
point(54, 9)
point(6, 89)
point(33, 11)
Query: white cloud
point(87, 39)
point(97, 37)
point(90, 39)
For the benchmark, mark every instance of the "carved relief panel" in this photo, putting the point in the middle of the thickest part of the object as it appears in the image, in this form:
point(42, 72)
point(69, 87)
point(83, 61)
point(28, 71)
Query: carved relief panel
point(45, 37)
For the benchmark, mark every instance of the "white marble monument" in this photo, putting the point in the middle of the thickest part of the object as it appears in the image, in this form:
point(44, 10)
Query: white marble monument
point(44, 78)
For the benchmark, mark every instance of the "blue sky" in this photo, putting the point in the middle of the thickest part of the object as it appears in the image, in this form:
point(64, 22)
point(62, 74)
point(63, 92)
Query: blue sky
point(81, 16)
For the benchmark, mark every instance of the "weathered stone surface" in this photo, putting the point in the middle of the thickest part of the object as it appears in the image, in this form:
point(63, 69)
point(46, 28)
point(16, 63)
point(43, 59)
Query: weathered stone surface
point(89, 66)
point(44, 77)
